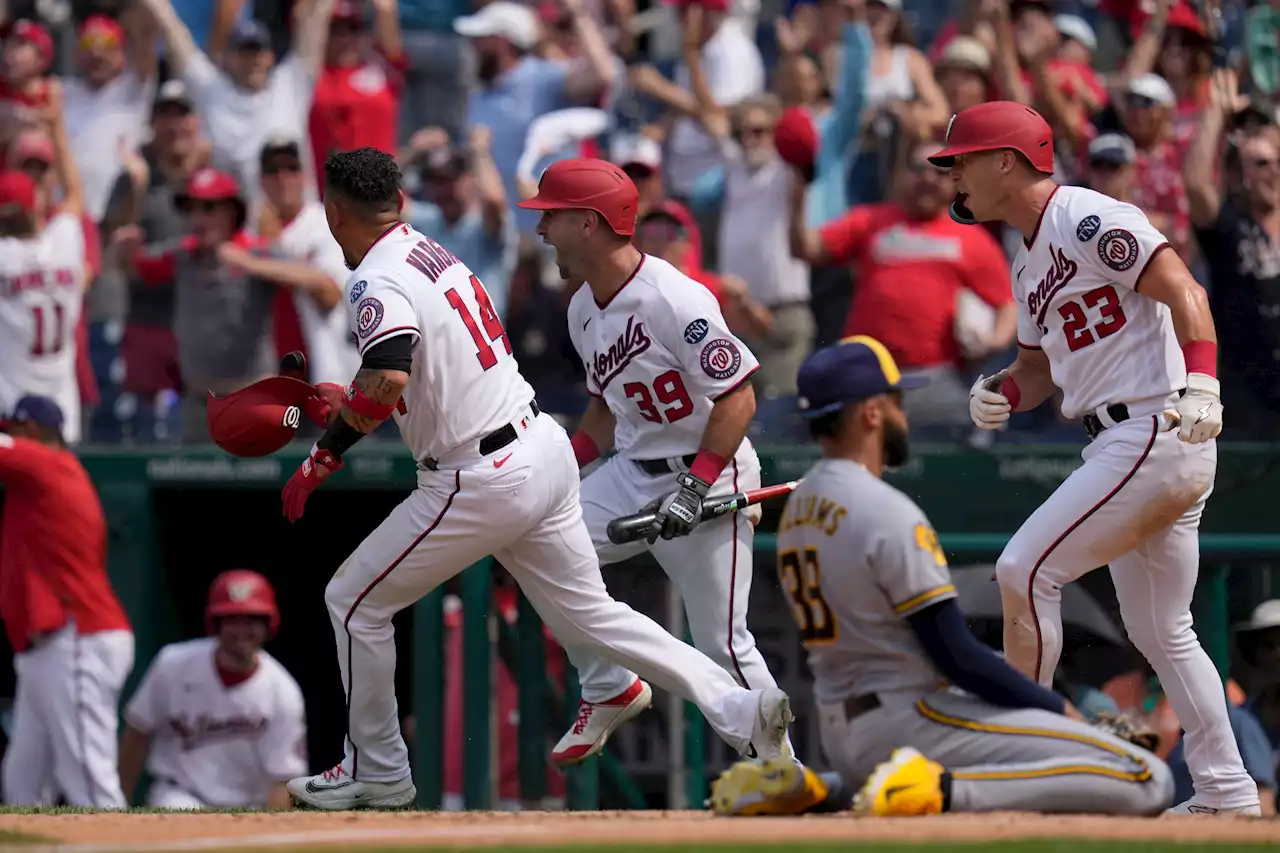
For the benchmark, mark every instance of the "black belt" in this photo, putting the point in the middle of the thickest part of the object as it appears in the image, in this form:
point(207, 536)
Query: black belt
point(658, 467)
point(856, 706)
point(1093, 424)
point(491, 443)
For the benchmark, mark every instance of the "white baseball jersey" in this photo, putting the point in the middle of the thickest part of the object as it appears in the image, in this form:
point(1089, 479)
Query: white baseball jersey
point(41, 296)
point(465, 382)
point(856, 557)
point(331, 352)
point(1076, 291)
point(660, 354)
point(225, 745)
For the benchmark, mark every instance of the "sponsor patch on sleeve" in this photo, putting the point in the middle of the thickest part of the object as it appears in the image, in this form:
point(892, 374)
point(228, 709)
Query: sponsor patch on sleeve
point(1088, 228)
point(368, 316)
point(721, 358)
point(358, 289)
point(696, 331)
point(1118, 249)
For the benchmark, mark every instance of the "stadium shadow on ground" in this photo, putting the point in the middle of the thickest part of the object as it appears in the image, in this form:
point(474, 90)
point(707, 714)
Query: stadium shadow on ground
point(202, 532)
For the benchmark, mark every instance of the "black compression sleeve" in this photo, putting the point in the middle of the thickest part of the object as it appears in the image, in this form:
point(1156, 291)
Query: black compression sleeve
point(972, 666)
point(391, 354)
point(339, 437)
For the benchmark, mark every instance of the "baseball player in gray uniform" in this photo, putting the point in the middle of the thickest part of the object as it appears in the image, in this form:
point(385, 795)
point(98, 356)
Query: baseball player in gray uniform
point(913, 708)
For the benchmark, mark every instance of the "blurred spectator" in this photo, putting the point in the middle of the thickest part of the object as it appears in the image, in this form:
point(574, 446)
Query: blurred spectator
point(1146, 114)
point(900, 83)
point(357, 96)
point(964, 73)
point(24, 88)
point(753, 192)
point(1259, 643)
point(43, 270)
point(913, 264)
point(224, 290)
point(107, 101)
point(1111, 166)
point(1236, 213)
point(668, 231)
point(439, 66)
point(641, 158)
point(517, 87)
point(465, 209)
point(147, 194)
point(1173, 44)
point(734, 71)
point(254, 98)
point(299, 232)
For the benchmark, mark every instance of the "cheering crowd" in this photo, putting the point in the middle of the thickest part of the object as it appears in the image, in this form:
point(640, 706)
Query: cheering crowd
point(170, 150)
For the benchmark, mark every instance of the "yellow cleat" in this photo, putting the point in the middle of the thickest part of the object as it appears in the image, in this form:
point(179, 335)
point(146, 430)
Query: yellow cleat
point(782, 786)
point(907, 784)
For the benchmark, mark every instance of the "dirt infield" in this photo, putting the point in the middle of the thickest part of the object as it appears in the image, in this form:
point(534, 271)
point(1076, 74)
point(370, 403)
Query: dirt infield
point(105, 832)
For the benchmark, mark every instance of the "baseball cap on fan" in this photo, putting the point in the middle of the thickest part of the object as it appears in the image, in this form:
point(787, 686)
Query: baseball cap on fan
point(250, 34)
point(850, 371)
point(41, 411)
point(512, 21)
point(1152, 88)
point(173, 93)
point(1076, 28)
point(1112, 149)
point(17, 190)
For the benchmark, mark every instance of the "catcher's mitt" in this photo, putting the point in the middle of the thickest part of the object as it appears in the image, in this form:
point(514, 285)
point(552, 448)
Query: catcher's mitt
point(1125, 728)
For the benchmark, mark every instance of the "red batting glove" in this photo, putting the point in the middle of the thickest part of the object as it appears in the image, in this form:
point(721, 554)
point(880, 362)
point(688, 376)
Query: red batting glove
point(314, 470)
point(323, 406)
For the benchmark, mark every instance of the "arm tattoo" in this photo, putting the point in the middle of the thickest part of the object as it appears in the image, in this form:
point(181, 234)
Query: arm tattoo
point(381, 386)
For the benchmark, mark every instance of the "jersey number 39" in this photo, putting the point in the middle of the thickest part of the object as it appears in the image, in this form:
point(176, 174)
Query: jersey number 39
point(802, 579)
point(488, 319)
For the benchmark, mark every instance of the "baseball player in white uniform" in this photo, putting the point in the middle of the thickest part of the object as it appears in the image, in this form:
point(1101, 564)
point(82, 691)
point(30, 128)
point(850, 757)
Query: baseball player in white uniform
point(897, 673)
point(42, 286)
point(670, 394)
point(495, 477)
point(1110, 315)
point(218, 722)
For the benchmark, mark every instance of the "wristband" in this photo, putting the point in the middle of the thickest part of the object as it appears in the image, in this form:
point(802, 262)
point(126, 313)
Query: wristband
point(1201, 357)
point(361, 405)
point(338, 438)
point(585, 449)
point(707, 466)
point(1011, 392)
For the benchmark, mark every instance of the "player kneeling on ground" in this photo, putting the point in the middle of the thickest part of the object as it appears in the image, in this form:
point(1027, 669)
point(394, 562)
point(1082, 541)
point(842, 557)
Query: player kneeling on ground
point(218, 721)
point(877, 613)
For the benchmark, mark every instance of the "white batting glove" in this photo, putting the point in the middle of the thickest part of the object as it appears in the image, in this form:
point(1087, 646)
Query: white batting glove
point(988, 408)
point(1200, 409)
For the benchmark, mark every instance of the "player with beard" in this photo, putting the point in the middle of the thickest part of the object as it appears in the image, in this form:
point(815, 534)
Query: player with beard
point(871, 593)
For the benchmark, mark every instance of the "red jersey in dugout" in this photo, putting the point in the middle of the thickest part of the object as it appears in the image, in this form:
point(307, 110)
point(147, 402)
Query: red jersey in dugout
point(53, 546)
point(908, 274)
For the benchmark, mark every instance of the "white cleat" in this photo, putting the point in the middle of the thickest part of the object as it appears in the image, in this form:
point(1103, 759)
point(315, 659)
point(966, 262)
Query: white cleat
point(597, 720)
point(769, 733)
point(1191, 807)
point(335, 791)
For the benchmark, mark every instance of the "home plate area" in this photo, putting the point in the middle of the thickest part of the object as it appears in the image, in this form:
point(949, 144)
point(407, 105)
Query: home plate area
point(105, 832)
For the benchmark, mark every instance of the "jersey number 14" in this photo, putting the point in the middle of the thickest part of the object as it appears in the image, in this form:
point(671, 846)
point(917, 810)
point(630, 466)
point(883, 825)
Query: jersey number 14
point(488, 319)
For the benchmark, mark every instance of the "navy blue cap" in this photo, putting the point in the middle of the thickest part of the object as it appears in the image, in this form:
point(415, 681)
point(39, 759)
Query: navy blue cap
point(41, 411)
point(846, 372)
point(250, 33)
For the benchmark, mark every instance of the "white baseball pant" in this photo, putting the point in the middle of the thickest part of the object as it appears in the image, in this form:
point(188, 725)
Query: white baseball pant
point(1135, 504)
point(524, 511)
point(712, 568)
point(65, 733)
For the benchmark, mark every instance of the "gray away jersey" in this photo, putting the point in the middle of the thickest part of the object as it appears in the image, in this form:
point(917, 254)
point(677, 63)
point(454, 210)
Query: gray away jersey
point(856, 557)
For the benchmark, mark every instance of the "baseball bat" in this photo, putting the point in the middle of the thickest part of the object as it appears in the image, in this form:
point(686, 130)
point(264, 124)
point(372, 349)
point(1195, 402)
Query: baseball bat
point(629, 528)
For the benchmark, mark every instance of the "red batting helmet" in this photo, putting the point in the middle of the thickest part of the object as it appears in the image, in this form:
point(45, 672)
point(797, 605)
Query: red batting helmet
point(996, 125)
point(241, 592)
point(259, 419)
point(583, 183)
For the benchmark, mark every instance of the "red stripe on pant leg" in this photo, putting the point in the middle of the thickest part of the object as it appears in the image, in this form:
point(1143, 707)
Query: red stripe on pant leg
point(457, 487)
point(733, 583)
point(1031, 581)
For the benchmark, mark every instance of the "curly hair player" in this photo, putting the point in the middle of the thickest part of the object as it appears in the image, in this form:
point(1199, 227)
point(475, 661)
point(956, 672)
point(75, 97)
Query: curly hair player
point(670, 392)
point(1111, 316)
point(494, 477)
point(877, 612)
